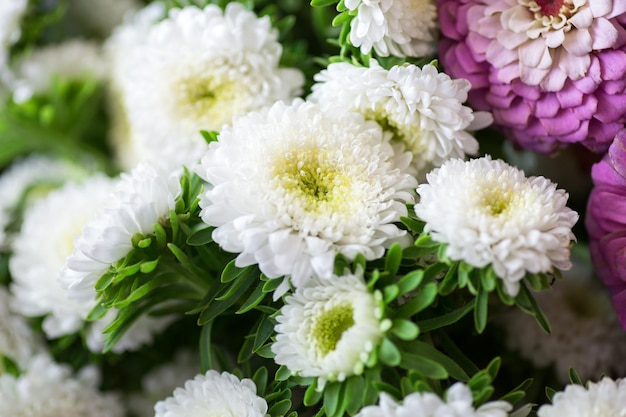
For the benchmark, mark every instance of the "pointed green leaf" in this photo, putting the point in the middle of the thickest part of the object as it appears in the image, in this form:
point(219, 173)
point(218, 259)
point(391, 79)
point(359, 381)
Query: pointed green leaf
point(388, 353)
point(481, 311)
point(201, 237)
point(445, 319)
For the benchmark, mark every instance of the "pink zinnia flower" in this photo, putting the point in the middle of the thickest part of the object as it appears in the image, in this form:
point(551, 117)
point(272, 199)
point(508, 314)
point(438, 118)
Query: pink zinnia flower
point(552, 71)
point(606, 222)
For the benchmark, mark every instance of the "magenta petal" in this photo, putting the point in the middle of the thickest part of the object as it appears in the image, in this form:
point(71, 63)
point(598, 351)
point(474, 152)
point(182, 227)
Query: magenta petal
point(587, 109)
point(617, 154)
point(610, 107)
point(529, 92)
point(570, 96)
point(565, 122)
point(514, 116)
point(612, 64)
point(548, 106)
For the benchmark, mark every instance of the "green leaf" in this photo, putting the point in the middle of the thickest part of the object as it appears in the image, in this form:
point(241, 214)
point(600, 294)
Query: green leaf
point(405, 329)
point(218, 305)
point(209, 136)
point(423, 365)
point(263, 333)
point(260, 378)
point(550, 392)
point(341, 18)
point(450, 281)
point(526, 296)
point(282, 373)
point(410, 281)
point(232, 272)
point(280, 408)
point(574, 377)
point(355, 387)
point(422, 300)
point(253, 300)
point(517, 393)
point(445, 319)
point(332, 393)
point(206, 351)
point(390, 293)
point(322, 3)
point(435, 271)
point(393, 259)
point(201, 237)
point(148, 266)
point(413, 225)
point(388, 353)
point(481, 311)
point(430, 352)
point(312, 396)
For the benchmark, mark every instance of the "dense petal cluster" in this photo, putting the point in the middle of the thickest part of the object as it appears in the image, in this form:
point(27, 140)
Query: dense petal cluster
point(458, 402)
point(328, 328)
point(421, 107)
point(196, 70)
point(489, 213)
point(47, 389)
point(606, 222)
point(552, 73)
point(394, 27)
point(214, 394)
point(604, 398)
point(138, 201)
point(292, 186)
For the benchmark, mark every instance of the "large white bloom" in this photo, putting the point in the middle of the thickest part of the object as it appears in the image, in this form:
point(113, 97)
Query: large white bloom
point(47, 389)
point(458, 402)
point(17, 339)
point(489, 213)
point(596, 346)
point(139, 201)
point(546, 42)
point(73, 60)
point(604, 398)
point(394, 27)
point(161, 381)
point(196, 71)
point(40, 249)
point(214, 394)
point(328, 328)
point(422, 107)
point(25, 181)
point(294, 185)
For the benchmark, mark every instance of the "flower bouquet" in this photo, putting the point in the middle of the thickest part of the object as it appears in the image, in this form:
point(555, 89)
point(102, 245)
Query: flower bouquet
point(344, 208)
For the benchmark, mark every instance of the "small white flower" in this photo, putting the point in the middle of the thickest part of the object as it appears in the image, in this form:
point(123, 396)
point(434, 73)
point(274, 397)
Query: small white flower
point(604, 398)
point(73, 60)
point(196, 70)
point(214, 394)
point(47, 389)
point(294, 185)
point(489, 213)
point(394, 27)
point(40, 249)
point(422, 107)
point(101, 16)
point(458, 402)
point(17, 339)
point(328, 328)
point(28, 179)
point(161, 381)
point(598, 345)
point(139, 201)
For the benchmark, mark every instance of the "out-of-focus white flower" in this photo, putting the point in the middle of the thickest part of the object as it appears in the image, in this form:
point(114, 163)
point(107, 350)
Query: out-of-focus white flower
point(489, 213)
point(422, 107)
point(17, 340)
point(73, 60)
point(28, 179)
point(458, 402)
point(214, 394)
point(45, 240)
point(604, 398)
point(292, 186)
point(47, 389)
point(394, 27)
point(11, 13)
point(197, 70)
point(328, 328)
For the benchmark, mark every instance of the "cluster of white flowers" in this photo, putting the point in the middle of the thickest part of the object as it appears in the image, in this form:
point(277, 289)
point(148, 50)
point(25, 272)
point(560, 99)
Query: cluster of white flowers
point(421, 107)
point(489, 213)
point(328, 328)
point(294, 185)
point(197, 70)
point(604, 398)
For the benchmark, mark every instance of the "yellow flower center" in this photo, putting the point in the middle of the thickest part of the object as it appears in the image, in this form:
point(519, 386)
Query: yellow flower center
point(497, 201)
point(329, 326)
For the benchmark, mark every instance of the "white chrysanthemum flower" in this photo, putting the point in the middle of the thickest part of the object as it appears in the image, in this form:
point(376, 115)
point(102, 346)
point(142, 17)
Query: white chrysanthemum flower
point(196, 71)
point(394, 27)
point(604, 398)
point(101, 16)
point(40, 249)
point(161, 381)
point(458, 402)
point(294, 185)
point(17, 339)
point(139, 201)
point(214, 394)
point(11, 13)
point(422, 107)
point(28, 179)
point(73, 60)
point(119, 50)
point(577, 302)
point(488, 212)
point(47, 389)
point(328, 328)
point(139, 334)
